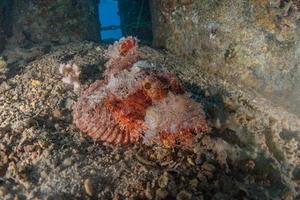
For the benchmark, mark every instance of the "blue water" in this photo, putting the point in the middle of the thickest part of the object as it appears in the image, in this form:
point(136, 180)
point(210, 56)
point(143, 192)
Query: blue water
point(109, 16)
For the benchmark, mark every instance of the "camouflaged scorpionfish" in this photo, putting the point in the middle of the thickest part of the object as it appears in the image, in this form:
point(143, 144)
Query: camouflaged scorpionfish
point(138, 102)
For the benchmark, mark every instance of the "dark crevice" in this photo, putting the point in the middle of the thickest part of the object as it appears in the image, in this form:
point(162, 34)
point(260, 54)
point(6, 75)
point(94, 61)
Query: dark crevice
point(13, 70)
point(6, 15)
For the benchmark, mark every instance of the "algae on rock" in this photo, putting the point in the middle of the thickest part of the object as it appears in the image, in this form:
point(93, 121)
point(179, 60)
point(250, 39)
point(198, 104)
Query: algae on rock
point(255, 43)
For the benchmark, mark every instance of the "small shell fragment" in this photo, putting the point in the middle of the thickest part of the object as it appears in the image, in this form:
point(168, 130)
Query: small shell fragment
point(88, 186)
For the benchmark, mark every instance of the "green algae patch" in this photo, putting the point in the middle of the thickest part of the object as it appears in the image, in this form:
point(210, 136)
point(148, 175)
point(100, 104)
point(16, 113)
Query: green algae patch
point(273, 148)
point(3, 64)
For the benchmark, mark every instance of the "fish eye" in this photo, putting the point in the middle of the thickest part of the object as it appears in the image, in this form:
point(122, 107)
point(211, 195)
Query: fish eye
point(147, 86)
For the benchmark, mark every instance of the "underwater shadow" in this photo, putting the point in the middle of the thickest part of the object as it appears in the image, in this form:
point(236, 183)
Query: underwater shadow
point(13, 70)
point(216, 112)
point(213, 103)
point(91, 73)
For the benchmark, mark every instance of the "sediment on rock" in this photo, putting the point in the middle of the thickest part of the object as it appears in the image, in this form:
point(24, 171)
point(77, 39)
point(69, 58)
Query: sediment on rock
point(252, 43)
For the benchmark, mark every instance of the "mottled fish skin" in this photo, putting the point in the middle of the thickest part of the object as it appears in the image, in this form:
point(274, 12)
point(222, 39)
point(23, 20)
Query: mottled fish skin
point(113, 135)
point(107, 133)
point(119, 138)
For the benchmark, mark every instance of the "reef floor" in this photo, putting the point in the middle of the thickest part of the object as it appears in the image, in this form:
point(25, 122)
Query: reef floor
point(253, 151)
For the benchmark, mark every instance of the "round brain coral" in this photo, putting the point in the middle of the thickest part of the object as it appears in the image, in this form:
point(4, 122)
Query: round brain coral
point(138, 102)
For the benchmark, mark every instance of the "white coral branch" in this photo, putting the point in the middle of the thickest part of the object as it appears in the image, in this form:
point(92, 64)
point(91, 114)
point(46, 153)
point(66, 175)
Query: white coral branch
point(71, 73)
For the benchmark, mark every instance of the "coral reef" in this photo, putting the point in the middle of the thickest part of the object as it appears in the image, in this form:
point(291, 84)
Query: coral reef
point(70, 74)
point(138, 102)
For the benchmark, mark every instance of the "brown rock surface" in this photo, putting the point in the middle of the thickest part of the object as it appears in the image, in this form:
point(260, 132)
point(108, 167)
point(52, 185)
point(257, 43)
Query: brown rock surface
point(254, 43)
